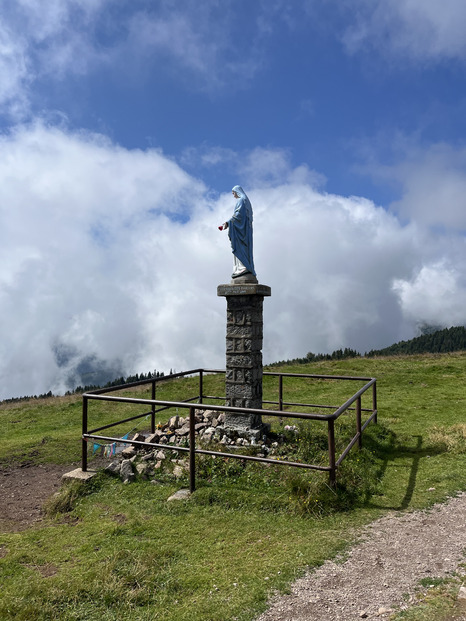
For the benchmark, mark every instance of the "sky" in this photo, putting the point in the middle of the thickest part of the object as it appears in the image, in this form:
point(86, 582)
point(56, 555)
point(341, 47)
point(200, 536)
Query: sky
point(124, 124)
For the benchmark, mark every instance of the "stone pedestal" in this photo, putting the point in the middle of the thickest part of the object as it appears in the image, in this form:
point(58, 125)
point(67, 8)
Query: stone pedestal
point(243, 381)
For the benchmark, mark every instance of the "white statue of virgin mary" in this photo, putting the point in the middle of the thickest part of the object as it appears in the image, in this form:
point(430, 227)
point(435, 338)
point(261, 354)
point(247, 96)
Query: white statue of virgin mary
point(240, 233)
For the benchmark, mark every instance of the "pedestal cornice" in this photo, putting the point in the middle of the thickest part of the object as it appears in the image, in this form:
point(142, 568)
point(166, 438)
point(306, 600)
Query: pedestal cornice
point(243, 289)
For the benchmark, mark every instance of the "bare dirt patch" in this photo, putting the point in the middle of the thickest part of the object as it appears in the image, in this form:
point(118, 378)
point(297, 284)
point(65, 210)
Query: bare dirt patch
point(382, 571)
point(46, 571)
point(23, 490)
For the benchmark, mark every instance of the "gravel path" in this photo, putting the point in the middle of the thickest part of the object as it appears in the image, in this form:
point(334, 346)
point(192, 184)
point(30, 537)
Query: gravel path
point(392, 555)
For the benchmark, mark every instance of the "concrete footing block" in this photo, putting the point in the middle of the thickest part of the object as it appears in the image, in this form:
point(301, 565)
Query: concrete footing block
point(78, 475)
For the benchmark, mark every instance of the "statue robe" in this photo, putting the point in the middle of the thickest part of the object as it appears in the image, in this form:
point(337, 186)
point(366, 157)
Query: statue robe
point(240, 230)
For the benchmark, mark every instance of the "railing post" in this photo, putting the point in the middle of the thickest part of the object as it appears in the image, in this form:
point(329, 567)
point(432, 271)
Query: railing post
point(280, 396)
point(152, 418)
point(201, 385)
point(83, 441)
point(374, 400)
point(192, 451)
point(331, 452)
point(358, 421)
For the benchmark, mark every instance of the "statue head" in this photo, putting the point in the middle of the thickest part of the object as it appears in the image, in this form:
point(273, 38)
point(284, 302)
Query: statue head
point(238, 192)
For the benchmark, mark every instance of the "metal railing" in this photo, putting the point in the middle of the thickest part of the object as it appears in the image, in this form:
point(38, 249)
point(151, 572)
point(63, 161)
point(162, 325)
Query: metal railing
point(157, 405)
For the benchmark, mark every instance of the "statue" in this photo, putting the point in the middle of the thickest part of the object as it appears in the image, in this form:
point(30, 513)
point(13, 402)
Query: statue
point(240, 234)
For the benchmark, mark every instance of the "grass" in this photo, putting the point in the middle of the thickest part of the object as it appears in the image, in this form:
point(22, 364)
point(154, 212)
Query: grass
point(132, 556)
point(48, 430)
point(112, 551)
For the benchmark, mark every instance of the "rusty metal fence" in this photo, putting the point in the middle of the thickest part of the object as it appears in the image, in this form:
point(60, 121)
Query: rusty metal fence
point(354, 403)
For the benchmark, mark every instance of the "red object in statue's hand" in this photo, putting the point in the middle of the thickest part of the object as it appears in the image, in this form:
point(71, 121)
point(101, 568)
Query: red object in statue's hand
point(220, 228)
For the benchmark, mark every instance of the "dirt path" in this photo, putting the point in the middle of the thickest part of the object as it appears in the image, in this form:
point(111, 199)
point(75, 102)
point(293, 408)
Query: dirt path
point(23, 491)
point(382, 570)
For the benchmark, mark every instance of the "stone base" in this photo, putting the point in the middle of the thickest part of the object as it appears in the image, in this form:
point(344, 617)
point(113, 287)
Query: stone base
point(242, 421)
point(253, 435)
point(78, 475)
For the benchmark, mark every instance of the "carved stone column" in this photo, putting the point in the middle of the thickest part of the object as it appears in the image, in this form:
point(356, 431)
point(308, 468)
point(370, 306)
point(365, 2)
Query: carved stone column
point(243, 381)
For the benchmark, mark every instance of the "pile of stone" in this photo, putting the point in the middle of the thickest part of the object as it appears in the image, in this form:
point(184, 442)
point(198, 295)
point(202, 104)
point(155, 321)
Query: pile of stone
point(210, 427)
point(146, 465)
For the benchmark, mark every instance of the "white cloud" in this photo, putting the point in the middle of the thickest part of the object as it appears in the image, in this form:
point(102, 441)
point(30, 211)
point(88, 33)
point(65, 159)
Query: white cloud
point(98, 260)
point(14, 78)
point(208, 156)
point(256, 167)
point(208, 46)
point(432, 182)
point(436, 295)
point(76, 214)
point(331, 261)
point(201, 43)
point(419, 30)
point(175, 34)
point(54, 39)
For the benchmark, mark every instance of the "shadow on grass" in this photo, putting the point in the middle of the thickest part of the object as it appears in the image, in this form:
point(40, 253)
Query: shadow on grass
point(393, 453)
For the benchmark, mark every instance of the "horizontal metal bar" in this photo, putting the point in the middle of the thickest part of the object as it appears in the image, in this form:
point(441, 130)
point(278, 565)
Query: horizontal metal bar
point(313, 405)
point(330, 407)
point(126, 420)
point(310, 405)
point(305, 375)
point(266, 460)
point(278, 373)
point(100, 391)
point(120, 422)
point(206, 452)
point(370, 419)
point(355, 439)
point(162, 409)
point(312, 375)
point(163, 378)
point(348, 449)
point(137, 442)
point(352, 399)
point(203, 406)
point(191, 399)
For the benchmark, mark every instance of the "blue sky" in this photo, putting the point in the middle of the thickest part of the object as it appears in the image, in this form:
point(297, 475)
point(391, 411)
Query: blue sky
point(124, 126)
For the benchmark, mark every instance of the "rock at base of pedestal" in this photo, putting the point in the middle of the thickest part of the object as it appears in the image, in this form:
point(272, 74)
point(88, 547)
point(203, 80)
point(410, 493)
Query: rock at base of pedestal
point(237, 427)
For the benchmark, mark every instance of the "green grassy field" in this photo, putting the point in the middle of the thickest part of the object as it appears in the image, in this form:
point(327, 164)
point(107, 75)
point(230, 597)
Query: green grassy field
point(121, 552)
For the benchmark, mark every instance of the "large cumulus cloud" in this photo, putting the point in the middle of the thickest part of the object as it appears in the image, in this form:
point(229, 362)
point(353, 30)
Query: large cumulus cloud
point(114, 254)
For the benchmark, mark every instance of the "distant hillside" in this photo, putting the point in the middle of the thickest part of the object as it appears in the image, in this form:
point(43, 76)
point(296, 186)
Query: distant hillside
point(441, 341)
point(338, 354)
point(435, 342)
